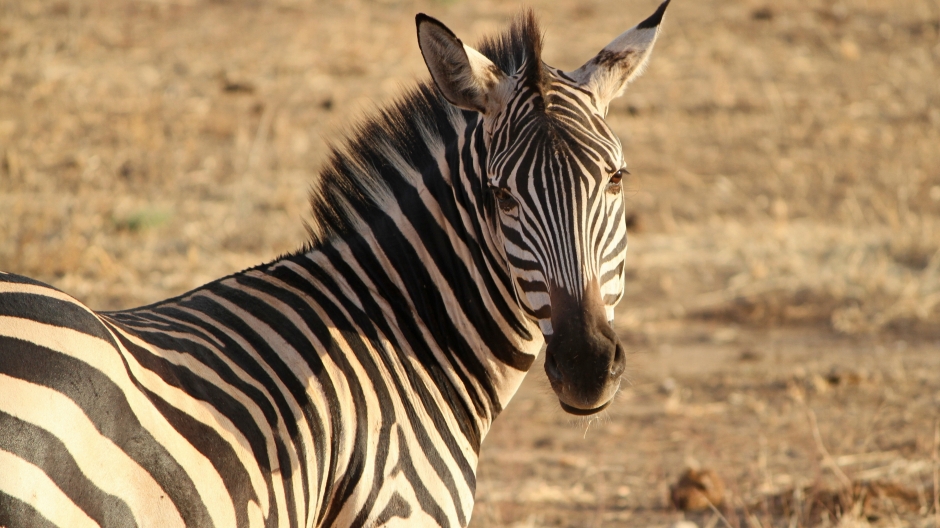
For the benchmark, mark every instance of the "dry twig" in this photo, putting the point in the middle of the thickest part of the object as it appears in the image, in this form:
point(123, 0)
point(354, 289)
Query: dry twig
point(936, 474)
point(827, 458)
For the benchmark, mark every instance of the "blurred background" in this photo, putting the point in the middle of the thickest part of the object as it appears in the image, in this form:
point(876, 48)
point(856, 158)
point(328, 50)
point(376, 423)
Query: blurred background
point(783, 297)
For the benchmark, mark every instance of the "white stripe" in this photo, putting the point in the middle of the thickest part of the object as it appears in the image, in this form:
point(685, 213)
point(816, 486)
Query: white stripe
point(35, 289)
point(204, 412)
point(398, 371)
point(277, 343)
point(28, 483)
point(61, 417)
point(102, 356)
point(198, 335)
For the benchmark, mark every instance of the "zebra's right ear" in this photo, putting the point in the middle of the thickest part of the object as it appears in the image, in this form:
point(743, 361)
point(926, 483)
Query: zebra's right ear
point(609, 72)
point(465, 76)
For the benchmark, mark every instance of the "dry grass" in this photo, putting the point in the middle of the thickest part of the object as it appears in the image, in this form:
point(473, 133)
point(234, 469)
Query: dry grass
point(866, 458)
point(787, 176)
point(785, 153)
point(852, 281)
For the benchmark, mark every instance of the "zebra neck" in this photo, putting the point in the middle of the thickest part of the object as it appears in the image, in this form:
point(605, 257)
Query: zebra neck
point(425, 268)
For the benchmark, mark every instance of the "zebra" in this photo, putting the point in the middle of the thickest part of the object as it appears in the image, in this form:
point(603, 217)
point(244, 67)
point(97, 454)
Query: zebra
point(351, 383)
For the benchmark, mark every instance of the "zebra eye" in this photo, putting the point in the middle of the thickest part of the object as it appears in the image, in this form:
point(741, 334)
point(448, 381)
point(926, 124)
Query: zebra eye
point(505, 200)
point(617, 176)
point(614, 186)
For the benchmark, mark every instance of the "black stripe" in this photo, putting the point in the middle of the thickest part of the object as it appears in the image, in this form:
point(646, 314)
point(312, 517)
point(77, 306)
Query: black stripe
point(55, 312)
point(415, 386)
point(408, 328)
point(211, 357)
point(19, 279)
point(453, 269)
point(107, 408)
point(611, 274)
point(205, 439)
point(456, 271)
point(235, 353)
point(15, 513)
point(335, 496)
point(380, 457)
point(233, 324)
point(45, 451)
point(396, 506)
point(425, 497)
point(482, 258)
point(525, 265)
point(354, 338)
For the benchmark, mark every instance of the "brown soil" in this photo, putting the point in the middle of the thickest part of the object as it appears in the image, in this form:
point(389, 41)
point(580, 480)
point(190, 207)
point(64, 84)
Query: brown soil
point(785, 254)
point(800, 425)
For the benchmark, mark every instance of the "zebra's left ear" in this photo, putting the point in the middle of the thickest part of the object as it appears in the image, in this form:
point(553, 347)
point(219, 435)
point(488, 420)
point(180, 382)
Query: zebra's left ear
point(621, 61)
point(467, 79)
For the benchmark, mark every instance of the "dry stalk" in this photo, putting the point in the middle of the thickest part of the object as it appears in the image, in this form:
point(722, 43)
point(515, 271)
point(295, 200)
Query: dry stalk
point(256, 152)
point(797, 507)
point(936, 474)
point(717, 512)
point(866, 458)
point(762, 462)
point(827, 458)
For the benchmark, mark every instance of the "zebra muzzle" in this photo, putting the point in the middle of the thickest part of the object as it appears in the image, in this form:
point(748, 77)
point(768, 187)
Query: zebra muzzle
point(584, 359)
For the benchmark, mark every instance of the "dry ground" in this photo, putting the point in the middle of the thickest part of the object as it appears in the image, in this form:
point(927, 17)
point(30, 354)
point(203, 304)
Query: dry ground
point(784, 264)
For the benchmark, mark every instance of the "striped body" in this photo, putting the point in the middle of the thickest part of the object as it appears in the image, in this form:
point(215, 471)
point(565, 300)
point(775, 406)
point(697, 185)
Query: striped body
point(350, 383)
point(328, 388)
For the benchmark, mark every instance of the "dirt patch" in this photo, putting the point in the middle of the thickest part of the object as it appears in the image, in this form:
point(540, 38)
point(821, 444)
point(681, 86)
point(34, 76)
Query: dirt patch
point(815, 430)
point(862, 503)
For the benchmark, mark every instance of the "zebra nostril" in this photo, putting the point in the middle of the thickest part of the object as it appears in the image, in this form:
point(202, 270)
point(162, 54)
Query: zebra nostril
point(551, 369)
point(618, 365)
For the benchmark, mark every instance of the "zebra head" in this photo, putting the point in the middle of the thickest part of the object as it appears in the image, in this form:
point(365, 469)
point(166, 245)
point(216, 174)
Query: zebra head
point(553, 168)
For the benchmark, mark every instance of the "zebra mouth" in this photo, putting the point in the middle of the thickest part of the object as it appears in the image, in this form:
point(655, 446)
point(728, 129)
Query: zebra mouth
point(584, 412)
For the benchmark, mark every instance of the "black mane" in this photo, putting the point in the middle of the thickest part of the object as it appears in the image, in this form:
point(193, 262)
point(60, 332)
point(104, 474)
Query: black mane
point(520, 47)
point(357, 177)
